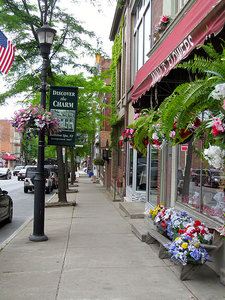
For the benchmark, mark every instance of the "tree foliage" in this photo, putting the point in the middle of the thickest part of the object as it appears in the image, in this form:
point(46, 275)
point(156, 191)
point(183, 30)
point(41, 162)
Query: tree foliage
point(20, 20)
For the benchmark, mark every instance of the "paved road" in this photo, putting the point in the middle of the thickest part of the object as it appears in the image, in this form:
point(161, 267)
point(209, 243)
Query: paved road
point(23, 206)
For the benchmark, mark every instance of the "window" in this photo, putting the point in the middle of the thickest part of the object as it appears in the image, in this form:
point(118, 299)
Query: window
point(130, 166)
point(199, 185)
point(142, 30)
point(141, 172)
point(153, 184)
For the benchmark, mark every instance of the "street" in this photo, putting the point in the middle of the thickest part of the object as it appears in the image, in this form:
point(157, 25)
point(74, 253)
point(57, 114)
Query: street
point(23, 206)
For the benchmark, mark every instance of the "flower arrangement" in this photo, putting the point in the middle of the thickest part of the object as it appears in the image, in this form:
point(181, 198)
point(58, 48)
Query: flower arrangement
point(34, 118)
point(186, 249)
point(158, 137)
point(161, 26)
point(128, 136)
point(98, 161)
point(184, 134)
point(185, 233)
point(153, 213)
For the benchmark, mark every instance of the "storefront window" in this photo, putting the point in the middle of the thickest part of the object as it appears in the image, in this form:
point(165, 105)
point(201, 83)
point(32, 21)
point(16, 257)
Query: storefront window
point(199, 185)
point(130, 167)
point(141, 172)
point(153, 187)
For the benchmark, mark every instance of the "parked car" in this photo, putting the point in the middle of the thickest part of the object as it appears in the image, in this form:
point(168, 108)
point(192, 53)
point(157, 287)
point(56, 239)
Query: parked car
point(195, 176)
point(21, 174)
point(215, 177)
point(6, 206)
point(5, 173)
point(17, 169)
point(53, 169)
point(29, 180)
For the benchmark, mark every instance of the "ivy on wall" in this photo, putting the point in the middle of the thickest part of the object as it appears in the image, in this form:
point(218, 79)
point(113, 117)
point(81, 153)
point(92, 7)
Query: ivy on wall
point(116, 56)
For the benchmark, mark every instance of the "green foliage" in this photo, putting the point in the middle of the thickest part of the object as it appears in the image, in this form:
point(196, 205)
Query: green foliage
point(116, 56)
point(19, 21)
point(98, 161)
point(188, 101)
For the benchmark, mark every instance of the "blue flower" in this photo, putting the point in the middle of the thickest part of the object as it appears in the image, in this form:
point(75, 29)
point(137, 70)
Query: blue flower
point(195, 254)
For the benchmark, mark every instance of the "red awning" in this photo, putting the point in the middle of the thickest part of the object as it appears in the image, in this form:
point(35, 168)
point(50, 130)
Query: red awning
point(204, 18)
point(9, 157)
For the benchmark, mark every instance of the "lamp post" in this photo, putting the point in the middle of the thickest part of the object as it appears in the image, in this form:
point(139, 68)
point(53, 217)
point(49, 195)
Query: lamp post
point(45, 38)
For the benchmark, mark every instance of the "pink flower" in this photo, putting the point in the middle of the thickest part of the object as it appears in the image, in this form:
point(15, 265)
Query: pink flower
point(131, 131)
point(164, 19)
point(172, 134)
point(218, 126)
point(136, 116)
point(223, 106)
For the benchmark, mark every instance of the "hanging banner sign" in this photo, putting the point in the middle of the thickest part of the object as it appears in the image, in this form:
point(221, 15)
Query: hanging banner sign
point(63, 106)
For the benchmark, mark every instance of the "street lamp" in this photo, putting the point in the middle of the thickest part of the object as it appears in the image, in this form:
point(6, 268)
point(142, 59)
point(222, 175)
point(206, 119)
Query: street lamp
point(45, 36)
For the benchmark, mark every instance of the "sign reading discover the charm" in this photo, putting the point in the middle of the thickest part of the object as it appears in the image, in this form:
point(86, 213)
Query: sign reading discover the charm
point(63, 106)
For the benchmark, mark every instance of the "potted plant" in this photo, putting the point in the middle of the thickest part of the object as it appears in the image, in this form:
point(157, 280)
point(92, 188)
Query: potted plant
point(30, 120)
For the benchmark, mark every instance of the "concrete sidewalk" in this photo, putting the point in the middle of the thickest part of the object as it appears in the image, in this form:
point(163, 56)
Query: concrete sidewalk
point(92, 254)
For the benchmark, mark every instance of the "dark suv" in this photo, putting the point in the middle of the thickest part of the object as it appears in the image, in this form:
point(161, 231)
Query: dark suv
point(29, 180)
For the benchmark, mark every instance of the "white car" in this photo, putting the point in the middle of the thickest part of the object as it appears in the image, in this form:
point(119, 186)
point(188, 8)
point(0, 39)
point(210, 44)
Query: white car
point(29, 180)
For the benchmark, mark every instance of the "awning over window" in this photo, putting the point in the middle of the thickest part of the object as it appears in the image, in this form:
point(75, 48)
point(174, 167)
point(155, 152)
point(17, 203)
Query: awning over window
point(9, 157)
point(204, 18)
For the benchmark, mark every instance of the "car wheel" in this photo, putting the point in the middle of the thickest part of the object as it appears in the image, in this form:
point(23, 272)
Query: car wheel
point(47, 190)
point(9, 219)
point(25, 190)
point(18, 179)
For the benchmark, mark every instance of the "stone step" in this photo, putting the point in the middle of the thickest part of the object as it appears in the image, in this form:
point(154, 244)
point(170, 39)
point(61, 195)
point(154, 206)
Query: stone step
point(133, 210)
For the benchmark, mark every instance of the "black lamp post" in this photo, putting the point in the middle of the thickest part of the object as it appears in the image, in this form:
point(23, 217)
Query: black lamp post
point(45, 37)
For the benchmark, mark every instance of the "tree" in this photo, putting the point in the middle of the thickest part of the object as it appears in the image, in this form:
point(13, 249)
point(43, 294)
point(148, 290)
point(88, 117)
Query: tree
point(21, 19)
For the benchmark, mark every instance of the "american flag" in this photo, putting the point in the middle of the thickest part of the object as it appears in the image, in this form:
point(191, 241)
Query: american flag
point(7, 53)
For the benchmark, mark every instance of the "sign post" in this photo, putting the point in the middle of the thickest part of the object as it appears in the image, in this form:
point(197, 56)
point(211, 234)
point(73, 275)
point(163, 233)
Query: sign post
point(63, 106)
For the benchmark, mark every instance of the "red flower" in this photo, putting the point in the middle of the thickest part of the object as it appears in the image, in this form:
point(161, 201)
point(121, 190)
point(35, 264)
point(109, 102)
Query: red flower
point(156, 142)
point(184, 133)
point(163, 224)
point(121, 143)
point(132, 144)
point(145, 141)
point(197, 122)
point(124, 132)
point(197, 223)
point(215, 130)
point(181, 231)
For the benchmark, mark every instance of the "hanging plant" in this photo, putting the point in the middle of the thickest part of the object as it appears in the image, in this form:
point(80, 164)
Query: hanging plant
point(98, 161)
point(30, 120)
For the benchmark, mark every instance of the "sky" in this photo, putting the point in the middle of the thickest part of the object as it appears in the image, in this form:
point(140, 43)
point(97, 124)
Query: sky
point(99, 22)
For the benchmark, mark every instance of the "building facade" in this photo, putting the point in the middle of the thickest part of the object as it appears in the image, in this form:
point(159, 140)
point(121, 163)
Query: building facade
point(10, 145)
point(146, 76)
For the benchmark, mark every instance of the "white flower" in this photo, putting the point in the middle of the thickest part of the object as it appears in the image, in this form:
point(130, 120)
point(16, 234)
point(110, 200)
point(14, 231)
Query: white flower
point(155, 136)
point(219, 92)
point(215, 156)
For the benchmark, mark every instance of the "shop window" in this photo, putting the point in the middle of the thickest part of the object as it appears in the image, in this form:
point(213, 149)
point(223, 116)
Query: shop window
point(199, 185)
point(130, 165)
point(153, 183)
point(141, 172)
point(142, 31)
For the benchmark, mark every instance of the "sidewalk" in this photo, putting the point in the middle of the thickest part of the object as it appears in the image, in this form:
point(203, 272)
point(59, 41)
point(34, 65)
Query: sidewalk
point(92, 254)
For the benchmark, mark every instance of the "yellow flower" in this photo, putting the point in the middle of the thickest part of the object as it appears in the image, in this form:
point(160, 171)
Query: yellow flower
point(184, 245)
point(197, 245)
point(176, 238)
point(151, 211)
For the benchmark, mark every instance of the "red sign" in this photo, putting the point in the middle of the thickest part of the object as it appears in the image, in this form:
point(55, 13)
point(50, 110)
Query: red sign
point(184, 147)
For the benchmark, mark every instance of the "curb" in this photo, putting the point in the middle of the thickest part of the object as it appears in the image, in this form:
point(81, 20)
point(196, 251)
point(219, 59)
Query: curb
point(11, 237)
point(6, 242)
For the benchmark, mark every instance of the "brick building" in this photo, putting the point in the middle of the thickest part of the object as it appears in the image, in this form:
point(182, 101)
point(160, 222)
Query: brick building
point(10, 145)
